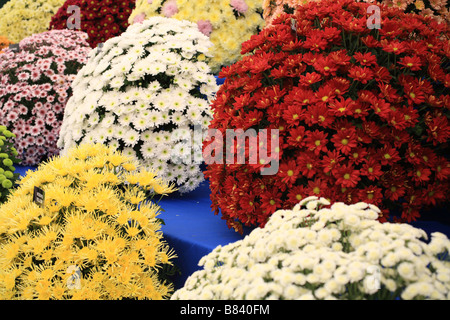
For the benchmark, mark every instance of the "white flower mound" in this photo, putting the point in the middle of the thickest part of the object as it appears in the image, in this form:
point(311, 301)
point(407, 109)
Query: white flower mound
point(145, 93)
point(317, 252)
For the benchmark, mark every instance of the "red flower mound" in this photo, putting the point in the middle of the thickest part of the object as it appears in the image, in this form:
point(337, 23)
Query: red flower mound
point(363, 114)
point(100, 19)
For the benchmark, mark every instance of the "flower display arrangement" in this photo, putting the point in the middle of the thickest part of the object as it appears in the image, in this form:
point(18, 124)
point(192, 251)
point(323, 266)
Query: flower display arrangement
point(95, 236)
point(362, 113)
point(35, 86)
point(8, 159)
point(23, 18)
point(227, 23)
point(319, 252)
point(100, 19)
point(4, 43)
point(145, 93)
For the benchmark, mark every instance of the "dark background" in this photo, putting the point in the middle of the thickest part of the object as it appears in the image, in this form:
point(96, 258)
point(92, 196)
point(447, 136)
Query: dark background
point(2, 2)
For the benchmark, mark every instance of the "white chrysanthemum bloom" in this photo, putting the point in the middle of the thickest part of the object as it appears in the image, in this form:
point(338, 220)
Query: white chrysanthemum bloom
point(144, 83)
point(353, 256)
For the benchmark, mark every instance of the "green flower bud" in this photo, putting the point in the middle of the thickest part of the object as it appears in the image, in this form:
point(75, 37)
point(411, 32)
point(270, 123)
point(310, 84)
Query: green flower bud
point(4, 155)
point(8, 174)
point(2, 177)
point(1, 170)
point(1, 143)
point(2, 128)
point(7, 162)
point(7, 184)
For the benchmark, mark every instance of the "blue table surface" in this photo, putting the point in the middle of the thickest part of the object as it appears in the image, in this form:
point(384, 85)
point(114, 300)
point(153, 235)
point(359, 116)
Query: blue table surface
point(192, 229)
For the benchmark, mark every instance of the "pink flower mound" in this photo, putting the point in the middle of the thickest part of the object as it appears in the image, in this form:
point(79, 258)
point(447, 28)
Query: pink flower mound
point(239, 5)
point(205, 27)
point(34, 89)
point(169, 8)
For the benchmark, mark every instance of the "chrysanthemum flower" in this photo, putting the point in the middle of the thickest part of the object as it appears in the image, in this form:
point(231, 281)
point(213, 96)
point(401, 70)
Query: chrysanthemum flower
point(321, 250)
point(358, 110)
point(35, 86)
point(92, 237)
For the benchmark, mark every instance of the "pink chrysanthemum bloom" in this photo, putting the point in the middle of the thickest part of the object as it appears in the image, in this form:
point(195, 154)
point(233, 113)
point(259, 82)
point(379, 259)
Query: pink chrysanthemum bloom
point(139, 18)
point(169, 8)
point(205, 27)
point(239, 5)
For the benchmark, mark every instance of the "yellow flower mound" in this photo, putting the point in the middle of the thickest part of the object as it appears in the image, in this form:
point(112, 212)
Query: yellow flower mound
point(23, 18)
point(94, 237)
point(230, 28)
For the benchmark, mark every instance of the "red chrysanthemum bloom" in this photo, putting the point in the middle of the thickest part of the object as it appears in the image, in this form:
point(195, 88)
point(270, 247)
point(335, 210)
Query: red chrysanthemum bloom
point(371, 169)
point(289, 172)
point(366, 59)
point(362, 113)
point(331, 161)
point(361, 74)
point(344, 141)
point(310, 78)
point(413, 63)
point(347, 176)
point(371, 194)
point(317, 141)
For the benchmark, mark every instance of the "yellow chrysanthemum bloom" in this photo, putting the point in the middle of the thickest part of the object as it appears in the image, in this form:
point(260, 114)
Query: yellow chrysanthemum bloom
point(92, 237)
point(233, 20)
point(23, 18)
